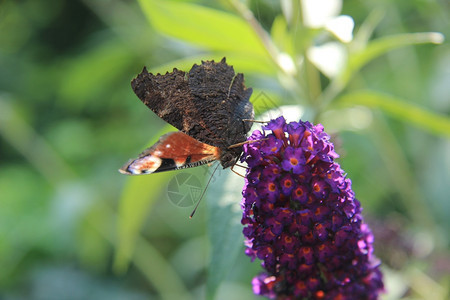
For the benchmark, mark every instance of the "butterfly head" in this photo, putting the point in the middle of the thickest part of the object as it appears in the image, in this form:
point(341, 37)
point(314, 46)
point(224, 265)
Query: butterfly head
point(229, 157)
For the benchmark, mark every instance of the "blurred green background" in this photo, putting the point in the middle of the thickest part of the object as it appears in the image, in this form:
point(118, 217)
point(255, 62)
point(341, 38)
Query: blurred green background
point(72, 227)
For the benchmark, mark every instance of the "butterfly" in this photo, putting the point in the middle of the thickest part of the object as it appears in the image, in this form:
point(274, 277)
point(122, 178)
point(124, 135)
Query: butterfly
point(210, 107)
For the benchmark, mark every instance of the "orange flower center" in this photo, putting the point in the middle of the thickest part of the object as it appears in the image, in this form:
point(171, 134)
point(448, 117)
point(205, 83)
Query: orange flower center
point(272, 187)
point(321, 294)
point(288, 239)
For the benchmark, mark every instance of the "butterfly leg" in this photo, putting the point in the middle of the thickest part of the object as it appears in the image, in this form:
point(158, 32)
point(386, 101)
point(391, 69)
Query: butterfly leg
point(232, 169)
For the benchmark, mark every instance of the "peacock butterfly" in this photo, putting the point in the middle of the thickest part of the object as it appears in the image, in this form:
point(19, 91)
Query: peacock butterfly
point(209, 106)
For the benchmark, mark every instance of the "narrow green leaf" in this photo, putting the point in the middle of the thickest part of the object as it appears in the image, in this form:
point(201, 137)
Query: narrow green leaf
point(367, 28)
point(139, 194)
point(397, 108)
point(383, 45)
point(159, 272)
point(280, 35)
point(203, 26)
point(224, 226)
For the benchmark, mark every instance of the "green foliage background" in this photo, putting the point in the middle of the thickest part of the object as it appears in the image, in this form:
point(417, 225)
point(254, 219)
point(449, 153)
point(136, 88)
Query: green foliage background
point(72, 227)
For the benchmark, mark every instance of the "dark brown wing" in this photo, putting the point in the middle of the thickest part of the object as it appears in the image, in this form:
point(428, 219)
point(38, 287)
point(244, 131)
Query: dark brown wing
point(208, 103)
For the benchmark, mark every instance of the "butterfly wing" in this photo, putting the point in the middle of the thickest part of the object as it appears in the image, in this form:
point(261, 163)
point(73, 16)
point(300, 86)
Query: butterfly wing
point(173, 151)
point(208, 103)
point(222, 102)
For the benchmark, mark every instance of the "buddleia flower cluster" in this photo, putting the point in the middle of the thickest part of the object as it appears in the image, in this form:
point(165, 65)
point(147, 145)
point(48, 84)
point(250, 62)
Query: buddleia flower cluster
point(301, 218)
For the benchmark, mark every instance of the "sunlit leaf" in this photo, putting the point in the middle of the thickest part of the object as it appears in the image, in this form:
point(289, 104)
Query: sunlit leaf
point(433, 122)
point(215, 30)
point(224, 226)
point(139, 194)
point(202, 26)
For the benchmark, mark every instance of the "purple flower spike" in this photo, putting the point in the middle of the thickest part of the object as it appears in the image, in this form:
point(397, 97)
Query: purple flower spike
point(302, 219)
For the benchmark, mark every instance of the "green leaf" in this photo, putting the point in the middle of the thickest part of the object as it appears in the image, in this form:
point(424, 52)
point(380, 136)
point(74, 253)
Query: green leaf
point(139, 194)
point(225, 229)
point(397, 108)
point(365, 31)
point(383, 45)
point(159, 272)
point(280, 35)
point(203, 26)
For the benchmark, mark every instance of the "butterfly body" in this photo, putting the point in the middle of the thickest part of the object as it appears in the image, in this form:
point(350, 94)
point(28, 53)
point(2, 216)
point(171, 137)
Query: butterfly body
point(209, 105)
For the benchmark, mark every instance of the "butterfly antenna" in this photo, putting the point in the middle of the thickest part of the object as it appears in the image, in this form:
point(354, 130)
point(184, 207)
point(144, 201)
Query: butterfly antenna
point(255, 121)
point(246, 142)
point(204, 191)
